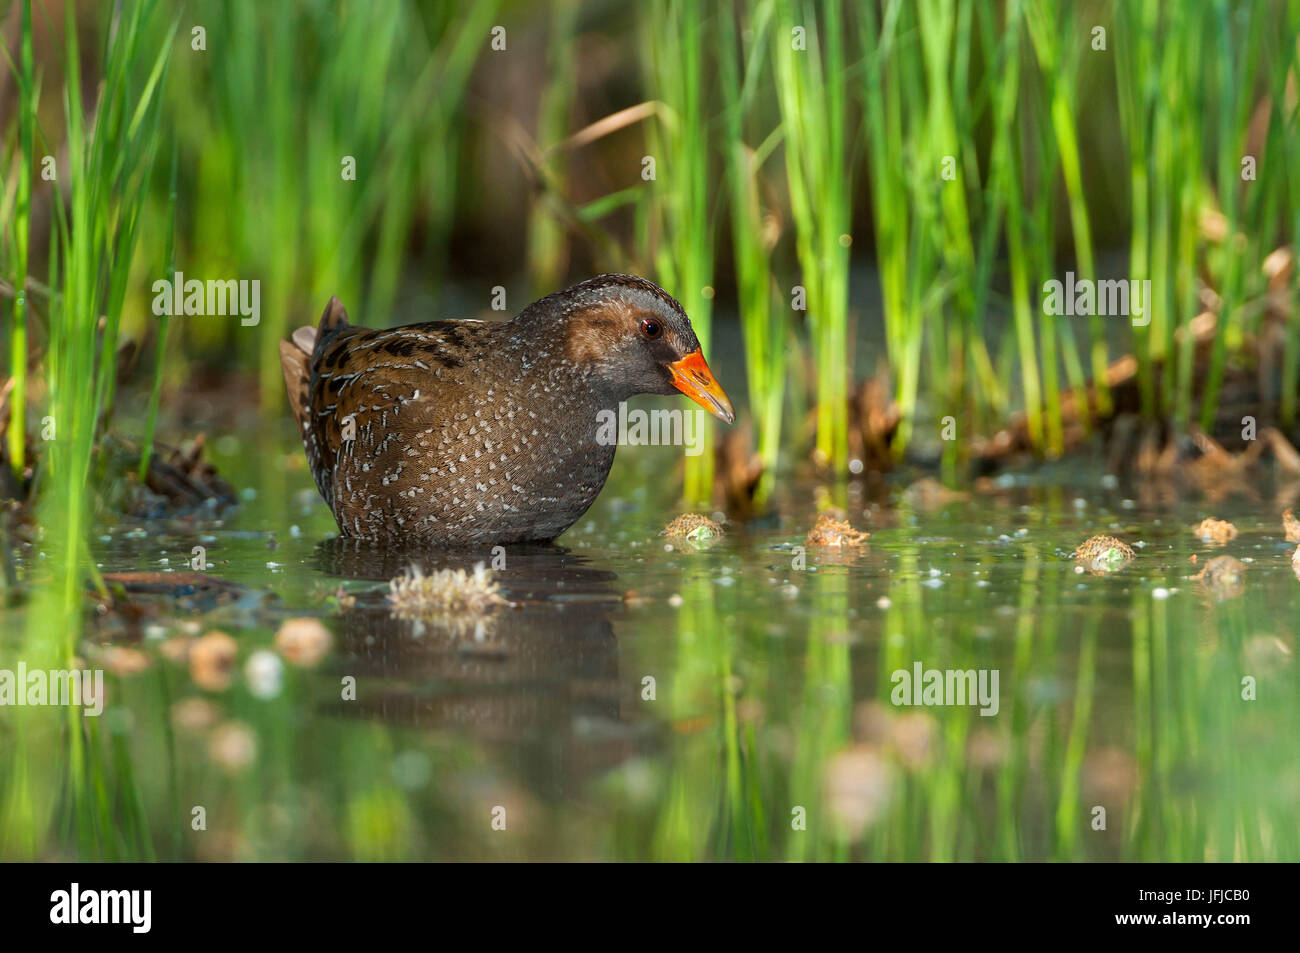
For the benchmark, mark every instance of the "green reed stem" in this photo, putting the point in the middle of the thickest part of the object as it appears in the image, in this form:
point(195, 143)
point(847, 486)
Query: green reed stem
point(547, 240)
point(1056, 48)
point(21, 235)
point(812, 91)
point(680, 193)
point(765, 328)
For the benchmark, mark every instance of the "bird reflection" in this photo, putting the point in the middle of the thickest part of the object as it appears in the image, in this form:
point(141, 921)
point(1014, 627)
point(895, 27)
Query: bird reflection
point(538, 673)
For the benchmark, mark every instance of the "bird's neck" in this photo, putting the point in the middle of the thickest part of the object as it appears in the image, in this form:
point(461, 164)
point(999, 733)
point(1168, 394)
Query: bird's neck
point(541, 360)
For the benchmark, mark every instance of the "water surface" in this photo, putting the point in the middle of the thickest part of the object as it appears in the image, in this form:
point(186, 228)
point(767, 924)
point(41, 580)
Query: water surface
point(641, 700)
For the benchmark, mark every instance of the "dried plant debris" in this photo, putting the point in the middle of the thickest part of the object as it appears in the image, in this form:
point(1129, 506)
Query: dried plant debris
point(1291, 526)
point(178, 481)
point(445, 593)
point(137, 596)
point(212, 661)
point(1225, 576)
point(303, 641)
point(1103, 554)
point(874, 416)
point(1215, 531)
point(739, 470)
point(834, 532)
point(928, 493)
point(693, 528)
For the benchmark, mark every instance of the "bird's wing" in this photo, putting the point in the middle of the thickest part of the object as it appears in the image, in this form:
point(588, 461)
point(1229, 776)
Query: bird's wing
point(371, 389)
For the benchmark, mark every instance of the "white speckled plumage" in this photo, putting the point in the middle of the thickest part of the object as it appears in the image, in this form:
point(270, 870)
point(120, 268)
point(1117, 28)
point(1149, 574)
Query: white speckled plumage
point(470, 432)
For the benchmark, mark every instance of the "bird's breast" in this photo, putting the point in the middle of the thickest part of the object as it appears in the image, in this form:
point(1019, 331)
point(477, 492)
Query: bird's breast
point(512, 459)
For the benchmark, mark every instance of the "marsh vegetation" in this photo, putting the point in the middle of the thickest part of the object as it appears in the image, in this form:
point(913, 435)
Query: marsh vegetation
point(865, 209)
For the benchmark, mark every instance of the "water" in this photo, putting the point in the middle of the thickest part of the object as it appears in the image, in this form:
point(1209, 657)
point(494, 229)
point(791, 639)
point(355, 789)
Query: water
point(641, 700)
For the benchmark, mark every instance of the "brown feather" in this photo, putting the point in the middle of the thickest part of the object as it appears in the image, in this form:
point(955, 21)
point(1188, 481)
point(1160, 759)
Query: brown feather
point(466, 432)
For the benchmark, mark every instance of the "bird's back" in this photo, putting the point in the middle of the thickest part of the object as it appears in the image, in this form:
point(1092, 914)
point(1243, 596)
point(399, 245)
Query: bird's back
point(433, 431)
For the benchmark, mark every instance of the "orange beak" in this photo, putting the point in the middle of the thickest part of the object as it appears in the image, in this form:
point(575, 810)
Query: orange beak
point(691, 376)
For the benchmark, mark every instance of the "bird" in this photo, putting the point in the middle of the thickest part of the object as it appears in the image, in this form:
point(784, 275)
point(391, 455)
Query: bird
point(466, 432)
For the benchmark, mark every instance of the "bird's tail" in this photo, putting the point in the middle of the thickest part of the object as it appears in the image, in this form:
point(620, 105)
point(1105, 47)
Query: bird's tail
point(296, 357)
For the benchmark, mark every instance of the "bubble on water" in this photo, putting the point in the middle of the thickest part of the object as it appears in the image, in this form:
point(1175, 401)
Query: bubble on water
point(675, 601)
point(884, 602)
point(265, 674)
point(412, 770)
point(295, 531)
point(1160, 593)
point(855, 466)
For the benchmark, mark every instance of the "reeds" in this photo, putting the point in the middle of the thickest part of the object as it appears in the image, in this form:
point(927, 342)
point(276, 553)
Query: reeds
point(319, 141)
point(1203, 93)
point(547, 244)
point(18, 237)
point(812, 86)
point(765, 326)
point(681, 209)
point(110, 146)
point(111, 150)
point(955, 131)
point(920, 111)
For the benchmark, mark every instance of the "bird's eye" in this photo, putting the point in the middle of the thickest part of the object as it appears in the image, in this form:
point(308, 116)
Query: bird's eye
point(651, 328)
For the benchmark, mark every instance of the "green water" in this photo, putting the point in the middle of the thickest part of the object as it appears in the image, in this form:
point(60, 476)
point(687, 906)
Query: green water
point(641, 701)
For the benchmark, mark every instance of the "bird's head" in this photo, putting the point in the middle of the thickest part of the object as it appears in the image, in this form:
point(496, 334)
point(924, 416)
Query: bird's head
point(634, 338)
